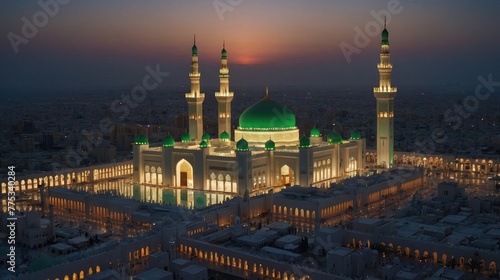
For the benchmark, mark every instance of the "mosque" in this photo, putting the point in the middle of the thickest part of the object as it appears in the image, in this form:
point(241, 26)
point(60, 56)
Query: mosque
point(265, 152)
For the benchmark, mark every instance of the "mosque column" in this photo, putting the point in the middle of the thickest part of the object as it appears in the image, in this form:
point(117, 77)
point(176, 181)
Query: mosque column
point(141, 143)
point(168, 167)
point(305, 162)
point(244, 161)
point(270, 146)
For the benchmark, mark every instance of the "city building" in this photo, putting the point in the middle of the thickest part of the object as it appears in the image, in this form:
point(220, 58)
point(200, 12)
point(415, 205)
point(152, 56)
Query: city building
point(288, 189)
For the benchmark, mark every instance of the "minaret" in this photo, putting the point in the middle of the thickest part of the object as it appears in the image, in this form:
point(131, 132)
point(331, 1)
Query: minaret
point(195, 98)
point(224, 97)
point(384, 94)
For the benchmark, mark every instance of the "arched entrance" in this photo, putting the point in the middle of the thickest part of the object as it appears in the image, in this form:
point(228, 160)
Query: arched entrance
point(286, 175)
point(493, 267)
point(184, 174)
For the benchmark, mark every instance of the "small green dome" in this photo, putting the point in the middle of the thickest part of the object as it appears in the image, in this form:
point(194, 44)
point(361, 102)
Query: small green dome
point(270, 145)
point(205, 137)
point(203, 144)
point(355, 135)
point(224, 136)
point(305, 142)
point(194, 50)
point(334, 138)
point(267, 114)
point(315, 132)
point(141, 139)
point(242, 145)
point(385, 37)
point(185, 137)
point(168, 141)
point(223, 54)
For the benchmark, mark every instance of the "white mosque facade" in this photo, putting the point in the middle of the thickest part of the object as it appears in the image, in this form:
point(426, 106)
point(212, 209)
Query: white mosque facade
point(264, 153)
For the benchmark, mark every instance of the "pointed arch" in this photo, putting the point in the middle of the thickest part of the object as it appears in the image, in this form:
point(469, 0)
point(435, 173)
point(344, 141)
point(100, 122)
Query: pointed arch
point(493, 267)
point(286, 175)
point(407, 251)
point(444, 259)
point(184, 174)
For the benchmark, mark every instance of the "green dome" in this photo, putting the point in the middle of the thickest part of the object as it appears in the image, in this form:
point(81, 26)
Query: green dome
point(315, 132)
point(205, 137)
point(355, 135)
point(334, 138)
point(305, 142)
point(242, 145)
point(385, 37)
point(203, 144)
point(270, 145)
point(194, 50)
point(267, 114)
point(185, 137)
point(141, 139)
point(223, 54)
point(168, 141)
point(224, 136)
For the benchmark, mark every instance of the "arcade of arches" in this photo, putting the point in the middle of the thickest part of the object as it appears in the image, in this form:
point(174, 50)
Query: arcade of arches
point(81, 274)
point(485, 166)
point(437, 258)
point(135, 256)
point(77, 176)
point(245, 263)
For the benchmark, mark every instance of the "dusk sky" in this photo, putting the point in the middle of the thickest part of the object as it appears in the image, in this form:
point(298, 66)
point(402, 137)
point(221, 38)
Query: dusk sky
point(107, 44)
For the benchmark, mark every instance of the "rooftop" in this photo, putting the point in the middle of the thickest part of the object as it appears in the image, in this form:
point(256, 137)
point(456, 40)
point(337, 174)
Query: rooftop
point(368, 221)
point(406, 275)
point(61, 246)
point(253, 239)
point(340, 251)
point(194, 269)
point(153, 274)
point(279, 226)
point(281, 252)
point(181, 261)
point(289, 239)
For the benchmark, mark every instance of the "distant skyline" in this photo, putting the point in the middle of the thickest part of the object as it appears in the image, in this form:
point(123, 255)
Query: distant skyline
point(97, 44)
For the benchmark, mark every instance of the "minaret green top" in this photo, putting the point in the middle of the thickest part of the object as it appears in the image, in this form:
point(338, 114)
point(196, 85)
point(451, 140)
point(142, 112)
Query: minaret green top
point(315, 132)
point(242, 145)
point(385, 36)
point(223, 52)
point(194, 49)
